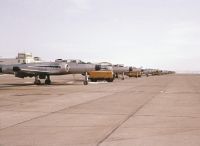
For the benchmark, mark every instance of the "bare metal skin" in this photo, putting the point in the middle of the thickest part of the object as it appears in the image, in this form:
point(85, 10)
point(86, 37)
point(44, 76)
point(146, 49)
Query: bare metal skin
point(44, 70)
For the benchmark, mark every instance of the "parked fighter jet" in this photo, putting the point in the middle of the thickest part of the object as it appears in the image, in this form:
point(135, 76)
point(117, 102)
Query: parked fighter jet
point(165, 72)
point(44, 70)
point(134, 72)
point(119, 69)
point(154, 72)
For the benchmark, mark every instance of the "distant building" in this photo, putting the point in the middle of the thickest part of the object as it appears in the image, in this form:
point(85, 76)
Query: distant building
point(21, 58)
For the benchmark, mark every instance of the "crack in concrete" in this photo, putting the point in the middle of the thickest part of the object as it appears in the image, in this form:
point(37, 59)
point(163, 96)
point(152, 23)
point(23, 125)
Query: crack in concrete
point(129, 116)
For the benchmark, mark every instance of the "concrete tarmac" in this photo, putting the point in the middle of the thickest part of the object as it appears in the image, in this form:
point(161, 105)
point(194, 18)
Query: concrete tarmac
point(153, 111)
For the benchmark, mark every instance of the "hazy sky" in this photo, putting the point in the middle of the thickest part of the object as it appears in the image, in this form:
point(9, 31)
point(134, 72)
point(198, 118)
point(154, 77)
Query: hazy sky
point(150, 33)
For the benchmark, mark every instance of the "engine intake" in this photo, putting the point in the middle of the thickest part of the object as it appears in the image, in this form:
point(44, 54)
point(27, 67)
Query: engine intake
point(16, 69)
point(1, 70)
point(97, 67)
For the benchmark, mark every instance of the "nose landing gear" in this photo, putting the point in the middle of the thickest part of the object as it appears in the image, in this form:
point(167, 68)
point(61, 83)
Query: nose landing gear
point(85, 82)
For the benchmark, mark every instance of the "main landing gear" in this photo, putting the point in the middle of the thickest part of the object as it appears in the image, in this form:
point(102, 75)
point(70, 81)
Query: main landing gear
point(48, 81)
point(38, 82)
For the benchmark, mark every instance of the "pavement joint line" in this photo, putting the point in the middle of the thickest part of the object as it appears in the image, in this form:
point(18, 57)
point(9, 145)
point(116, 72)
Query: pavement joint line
point(166, 116)
point(26, 102)
point(122, 122)
point(174, 133)
point(101, 126)
point(59, 111)
point(7, 99)
point(46, 115)
point(129, 116)
point(25, 111)
point(94, 114)
point(49, 113)
point(65, 113)
point(14, 85)
point(101, 97)
point(6, 105)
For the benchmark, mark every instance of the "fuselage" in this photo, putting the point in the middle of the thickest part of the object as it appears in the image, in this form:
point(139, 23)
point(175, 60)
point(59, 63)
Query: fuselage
point(46, 68)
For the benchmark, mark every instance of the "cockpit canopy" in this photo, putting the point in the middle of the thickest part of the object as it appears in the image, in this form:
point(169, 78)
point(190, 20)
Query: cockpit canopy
point(70, 61)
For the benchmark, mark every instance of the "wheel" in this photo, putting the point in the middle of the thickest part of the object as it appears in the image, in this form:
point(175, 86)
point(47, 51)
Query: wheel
point(85, 82)
point(38, 82)
point(48, 82)
point(110, 80)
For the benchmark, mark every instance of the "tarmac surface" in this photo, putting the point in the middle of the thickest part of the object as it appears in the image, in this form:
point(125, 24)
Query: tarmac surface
point(153, 111)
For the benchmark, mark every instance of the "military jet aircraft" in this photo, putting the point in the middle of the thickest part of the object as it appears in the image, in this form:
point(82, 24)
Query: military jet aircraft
point(120, 69)
point(44, 70)
point(134, 72)
point(152, 72)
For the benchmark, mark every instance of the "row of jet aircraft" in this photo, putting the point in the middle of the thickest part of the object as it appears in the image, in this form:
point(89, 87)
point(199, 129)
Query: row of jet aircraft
point(43, 70)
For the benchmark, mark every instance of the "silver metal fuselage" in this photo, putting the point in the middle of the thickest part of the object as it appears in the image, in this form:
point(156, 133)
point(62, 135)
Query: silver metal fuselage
point(46, 68)
point(120, 69)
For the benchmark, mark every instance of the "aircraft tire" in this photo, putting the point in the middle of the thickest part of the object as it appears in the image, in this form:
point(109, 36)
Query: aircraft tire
point(85, 82)
point(47, 82)
point(38, 82)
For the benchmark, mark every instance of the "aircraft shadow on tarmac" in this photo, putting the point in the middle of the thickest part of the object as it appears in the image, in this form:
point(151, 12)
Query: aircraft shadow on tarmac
point(75, 83)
